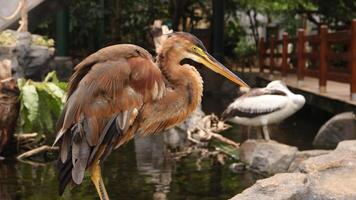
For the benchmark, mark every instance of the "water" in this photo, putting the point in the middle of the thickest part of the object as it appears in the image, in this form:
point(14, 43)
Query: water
point(142, 169)
point(145, 169)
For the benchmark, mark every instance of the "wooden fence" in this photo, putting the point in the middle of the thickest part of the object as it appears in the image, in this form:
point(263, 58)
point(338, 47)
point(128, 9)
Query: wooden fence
point(326, 56)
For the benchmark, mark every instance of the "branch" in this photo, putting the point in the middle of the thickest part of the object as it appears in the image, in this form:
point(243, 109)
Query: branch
point(224, 139)
point(25, 136)
point(253, 24)
point(36, 151)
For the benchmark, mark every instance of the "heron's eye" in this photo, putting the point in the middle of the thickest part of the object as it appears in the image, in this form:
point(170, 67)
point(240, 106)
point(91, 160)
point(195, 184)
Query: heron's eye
point(194, 48)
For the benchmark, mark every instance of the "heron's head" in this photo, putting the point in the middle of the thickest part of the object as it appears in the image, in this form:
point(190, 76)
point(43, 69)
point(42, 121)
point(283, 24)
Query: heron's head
point(187, 46)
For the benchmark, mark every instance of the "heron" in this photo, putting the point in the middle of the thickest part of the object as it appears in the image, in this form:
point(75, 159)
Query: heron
point(264, 106)
point(119, 92)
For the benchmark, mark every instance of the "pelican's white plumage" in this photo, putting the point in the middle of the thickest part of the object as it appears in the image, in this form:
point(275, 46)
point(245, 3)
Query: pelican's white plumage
point(264, 106)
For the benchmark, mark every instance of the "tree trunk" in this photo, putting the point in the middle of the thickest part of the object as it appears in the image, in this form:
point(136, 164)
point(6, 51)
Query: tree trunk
point(9, 111)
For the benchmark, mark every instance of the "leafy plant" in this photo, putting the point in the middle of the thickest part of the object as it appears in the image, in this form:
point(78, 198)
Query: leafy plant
point(41, 103)
point(245, 50)
point(7, 38)
point(42, 40)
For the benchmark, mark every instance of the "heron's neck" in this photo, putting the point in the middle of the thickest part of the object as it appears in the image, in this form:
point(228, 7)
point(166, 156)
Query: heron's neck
point(183, 80)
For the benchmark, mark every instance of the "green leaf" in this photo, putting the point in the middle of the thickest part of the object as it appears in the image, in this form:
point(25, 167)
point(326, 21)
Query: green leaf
point(21, 82)
point(41, 103)
point(46, 110)
point(56, 91)
point(51, 77)
point(62, 85)
point(30, 100)
point(227, 149)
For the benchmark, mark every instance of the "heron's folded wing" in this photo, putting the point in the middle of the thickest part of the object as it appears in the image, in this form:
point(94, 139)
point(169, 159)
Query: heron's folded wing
point(106, 92)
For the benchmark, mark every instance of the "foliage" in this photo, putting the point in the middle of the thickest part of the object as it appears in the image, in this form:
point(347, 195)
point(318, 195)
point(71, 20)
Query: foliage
point(94, 25)
point(245, 49)
point(41, 103)
point(42, 41)
point(231, 151)
point(234, 32)
point(336, 14)
point(7, 38)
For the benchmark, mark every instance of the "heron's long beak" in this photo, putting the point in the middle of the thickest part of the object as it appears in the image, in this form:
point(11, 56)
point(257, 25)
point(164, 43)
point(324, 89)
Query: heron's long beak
point(210, 62)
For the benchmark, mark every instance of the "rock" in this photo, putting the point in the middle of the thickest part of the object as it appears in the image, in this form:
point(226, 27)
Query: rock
point(282, 186)
point(343, 156)
point(333, 184)
point(326, 175)
point(237, 167)
point(63, 66)
point(332, 175)
point(267, 156)
point(328, 161)
point(340, 127)
point(347, 145)
point(37, 61)
point(303, 155)
point(27, 59)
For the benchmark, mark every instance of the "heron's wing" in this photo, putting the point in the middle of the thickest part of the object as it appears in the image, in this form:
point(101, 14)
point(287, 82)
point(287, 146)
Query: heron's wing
point(106, 92)
point(255, 103)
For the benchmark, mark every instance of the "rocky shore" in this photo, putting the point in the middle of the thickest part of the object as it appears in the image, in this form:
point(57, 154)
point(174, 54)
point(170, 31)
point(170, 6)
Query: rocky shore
point(300, 175)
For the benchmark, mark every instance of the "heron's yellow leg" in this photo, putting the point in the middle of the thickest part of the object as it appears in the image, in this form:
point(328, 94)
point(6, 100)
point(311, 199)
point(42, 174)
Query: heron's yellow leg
point(95, 174)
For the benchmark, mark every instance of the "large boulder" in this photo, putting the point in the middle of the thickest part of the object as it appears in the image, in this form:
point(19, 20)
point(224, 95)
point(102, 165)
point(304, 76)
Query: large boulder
point(344, 156)
point(333, 184)
point(284, 186)
point(28, 59)
point(304, 155)
point(332, 176)
point(322, 175)
point(340, 127)
point(267, 156)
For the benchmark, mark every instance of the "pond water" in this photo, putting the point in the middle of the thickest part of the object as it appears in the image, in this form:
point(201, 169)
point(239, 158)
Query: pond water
point(144, 169)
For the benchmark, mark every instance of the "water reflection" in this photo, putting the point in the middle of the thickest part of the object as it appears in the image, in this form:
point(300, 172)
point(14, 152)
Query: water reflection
point(141, 169)
point(6, 190)
point(153, 160)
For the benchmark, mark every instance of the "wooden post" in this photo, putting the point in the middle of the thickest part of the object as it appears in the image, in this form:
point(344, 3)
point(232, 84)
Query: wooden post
point(322, 58)
point(353, 60)
point(271, 49)
point(62, 31)
point(261, 53)
point(285, 55)
point(300, 56)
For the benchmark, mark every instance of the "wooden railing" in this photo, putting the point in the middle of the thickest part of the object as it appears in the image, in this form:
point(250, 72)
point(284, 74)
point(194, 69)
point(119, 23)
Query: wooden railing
point(326, 56)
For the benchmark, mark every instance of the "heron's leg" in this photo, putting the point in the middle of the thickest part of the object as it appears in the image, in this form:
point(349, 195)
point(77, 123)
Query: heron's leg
point(265, 132)
point(95, 175)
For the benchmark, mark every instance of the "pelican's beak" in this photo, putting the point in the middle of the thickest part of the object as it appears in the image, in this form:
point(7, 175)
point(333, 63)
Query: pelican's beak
point(209, 61)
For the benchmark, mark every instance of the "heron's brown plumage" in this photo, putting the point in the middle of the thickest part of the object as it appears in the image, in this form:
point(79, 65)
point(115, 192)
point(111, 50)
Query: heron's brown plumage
point(118, 92)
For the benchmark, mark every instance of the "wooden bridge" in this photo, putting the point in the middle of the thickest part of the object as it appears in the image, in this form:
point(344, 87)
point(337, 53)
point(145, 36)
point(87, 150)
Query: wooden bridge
point(326, 56)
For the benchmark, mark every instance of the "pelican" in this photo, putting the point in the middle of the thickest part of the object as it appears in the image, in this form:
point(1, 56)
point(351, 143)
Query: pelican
point(264, 106)
point(119, 92)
